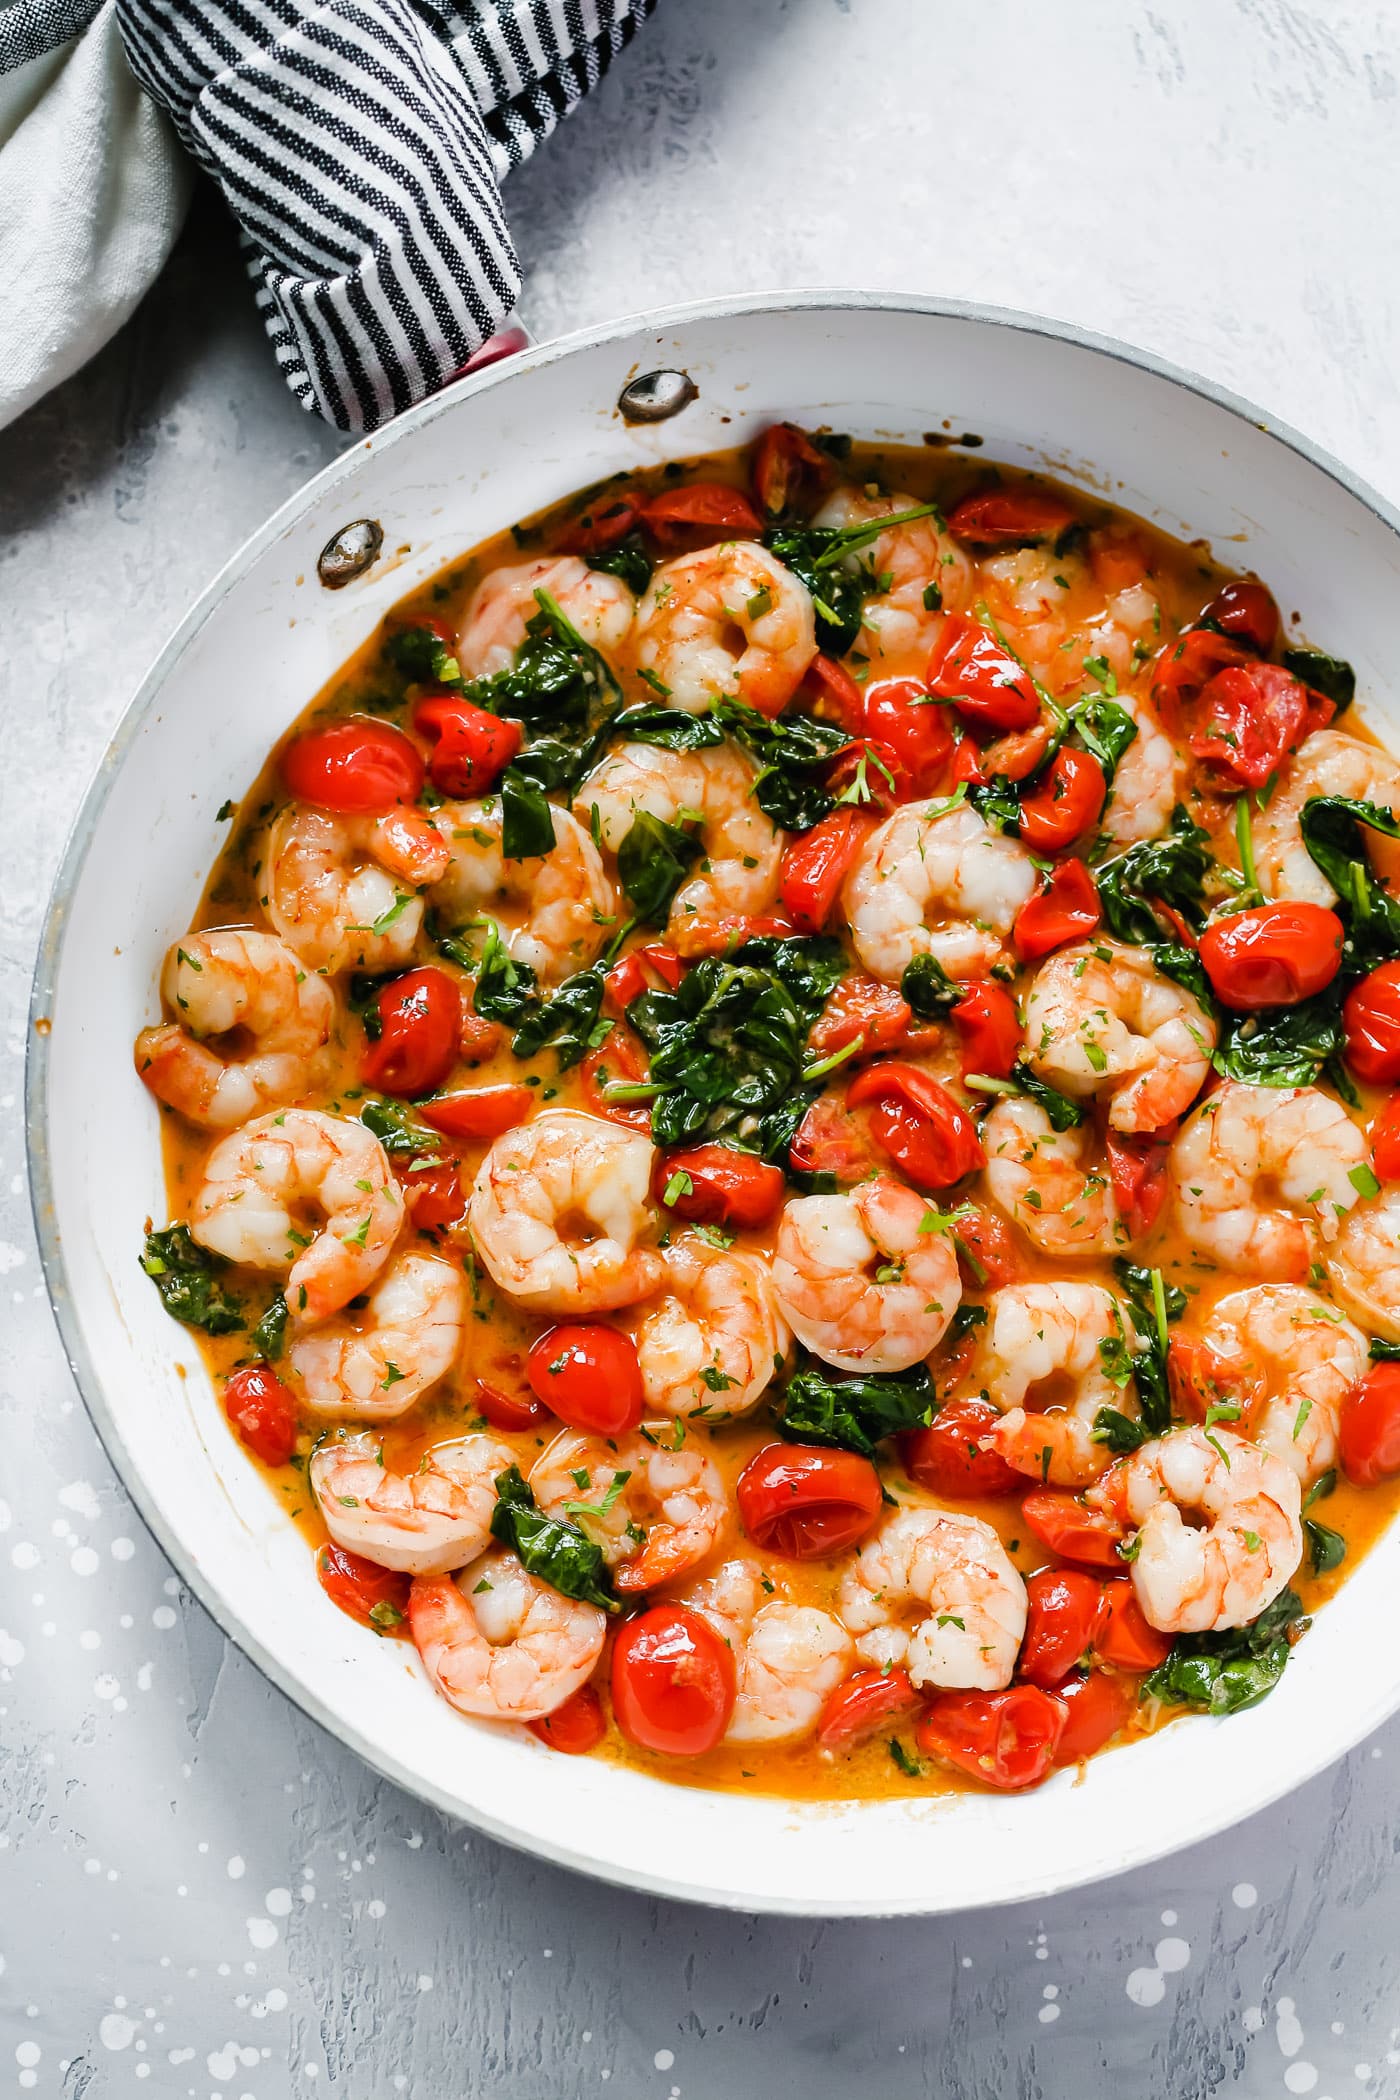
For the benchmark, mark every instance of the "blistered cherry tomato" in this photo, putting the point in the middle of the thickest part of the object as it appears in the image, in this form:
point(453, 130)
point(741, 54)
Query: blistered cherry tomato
point(1137, 1166)
point(263, 1412)
point(861, 1008)
point(1065, 910)
point(1385, 1141)
point(816, 864)
point(787, 467)
point(577, 1726)
point(899, 715)
point(1123, 1636)
point(805, 1503)
point(1018, 753)
point(588, 1375)
point(987, 1248)
point(1062, 1612)
point(607, 520)
point(1066, 803)
point(673, 1681)
point(918, 1123)
point(717, 1185)
point(376, 1596)
point(641, 970)
point(699, 514)
point(356, 768)
point(1273, 955)
point(420, 1027)
point(1016, 517)
point(1066, 1527)
point(1246, 612)
point(869, 1702)
point(989, 1030)
point(1200, 1378)
point(1098, 1705)
point(1184, 669)
point(985, 684)
point(618, 1061)
point(829, 1140)
point(1371, 1019)
point(947, 1458)
point(471, 746)
point(869, 775)
point(833, 693)
point(1006, 1739)
point(1369, 1429)
point(433, 1196)
point(479, 1113)
point(505, 1410)
point(1251, 717)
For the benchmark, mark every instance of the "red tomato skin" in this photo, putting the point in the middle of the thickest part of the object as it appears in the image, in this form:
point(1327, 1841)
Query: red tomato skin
point(1008, 1740)
point(1385, 1141)
point(576, 1727)
point(1123, 1637)
point(1066, 909)
point(1273, 955)
point(1064, 1526)
point(987, 1248)
point(1371, 1020)
point(947, 1458)
point(1245, 611)
point(830, 1141)
point(787, 467)
point(815, 865)
point(1251, 717)
point(1097, 1705)
point(471, 746)
point(420, 1020)
point(726, 1187)
point(355, 1586)
point(984, 682)
point(263, 1412)
point(1185, 667)
point(989, 1028)
point(1369, 1431)
point(1009, 517)
point(355, 768)
point(1067, 803)
point(862, 1007)
point(806, 1503)
point(698, 515)
point(833, 693)
point(1062, 1613)
point(509, 1410)
point(479, 1113)
point(434, 1196)
point(588, 1375)
point(887, 781)
point(917, 1121)
point(618, 1060)
point(867, 1702)
point(1137, 1165)
point(605, 523)
point(899, 715)
point(673, 1681)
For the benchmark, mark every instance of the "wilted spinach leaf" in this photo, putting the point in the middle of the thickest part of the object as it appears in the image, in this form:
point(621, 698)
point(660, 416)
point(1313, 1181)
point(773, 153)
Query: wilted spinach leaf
point(1167, 870)
point(1333, 828)
point(270, 1335)
point(1140, 1287)
point(423, 657)
point(652, 863)
point(1283, 1045)
point(819, 1406)
point(629, 559)
point(551, 1549)
point(669, 728)
point(527, 821)
point(826, 560)
point(188, 1279)
point(927, 989)
point(566, 1020)
point(1224, 1672)
point(504, 989)
point(399, 1130)
point(1328, 675)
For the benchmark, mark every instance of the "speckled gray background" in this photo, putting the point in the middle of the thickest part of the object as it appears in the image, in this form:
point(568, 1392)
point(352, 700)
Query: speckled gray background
point(200, 1894)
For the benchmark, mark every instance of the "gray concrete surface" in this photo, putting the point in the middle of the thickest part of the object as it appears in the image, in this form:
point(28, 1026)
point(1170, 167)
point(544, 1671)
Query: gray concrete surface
point(200, 1894)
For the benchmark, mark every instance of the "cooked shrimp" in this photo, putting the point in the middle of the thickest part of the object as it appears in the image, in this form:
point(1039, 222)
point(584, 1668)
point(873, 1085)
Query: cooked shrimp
point(789, 1658)
point(264, 1184)
point(1221, 1573)
point(1100, 1019)
point(738, 876)
point(1296, 1357)
point(249, 987)
point(499, 1643)
point(600, 606)
point(860, 1281)
point(422, 1523)
point(1051, 1355)
point(935, 1591)
point(1149, 781)
point(1047, 1182)
point(1327, 763)
point(1262, 1174)
point(372, 1365)
point(654, 1509)
point(712, 1342)
point(1029, 591)
point(560, 1211)
point(896, 621)
point(934, 879)
point(570, 906)
point(727, 623)
point(341, 891)
point(1364, 1264)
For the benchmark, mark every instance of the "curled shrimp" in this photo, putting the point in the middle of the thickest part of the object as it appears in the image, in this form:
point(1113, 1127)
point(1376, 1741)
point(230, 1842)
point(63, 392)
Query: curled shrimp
point(499, 1643)
point(654, 1509)
point(935, 1591)
point(569, 904)
point(1041, 599)
point(598, 605)
point(1101, 1019)
point(1296, 1357)
point(788, 1658)
point(341, 891)
point(906, 559)
point(1047, 1181)
point(1222, 1572)
point(1263, 1174)
point(1326, 763)
point(560, 1211)
point(727, 623)
point(274, 1019)
point(712, 1341)
point(859, 1280)
point(1149, 779)
point(738, 877)
point(372, 1365)
point(1050, 1356)
point(1364, 1264)
point(934, 879)
point(422, 1523)
point(266, 1184)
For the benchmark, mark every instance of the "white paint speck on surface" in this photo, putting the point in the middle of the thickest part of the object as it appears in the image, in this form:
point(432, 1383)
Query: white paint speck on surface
point(664, 2059)
point(236, 1867)
point(1288, 2028)
point(1171, 1955)
point(116, 2031)
point(1244, 1895)
point(278, 1903)
point(262, 1933)
point(1300, 2077)
point(81, 1497)
point(1146, 1986)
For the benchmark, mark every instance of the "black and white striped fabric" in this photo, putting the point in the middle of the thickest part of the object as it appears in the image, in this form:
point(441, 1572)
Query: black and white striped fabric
point(360, 145)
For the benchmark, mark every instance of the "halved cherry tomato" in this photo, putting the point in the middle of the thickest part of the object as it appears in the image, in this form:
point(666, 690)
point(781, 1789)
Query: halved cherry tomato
point(575, 1727)
point(607, 520)
point(1371, 1019)
point(471, 746)
point(834, 694)
point(787, 467)
point(1062, 1615)
point(1251, 717)
point(1066, 803)
point(866, 1703)
point(1064, 1526)
point(1369, 1429)
point(918, 1123)
point(263, 1412)
point(433, 1196)
point(1200, 1378)
point(1065, 910)
point(588, 1375)
point(480, 1113)
point(717, 1185)
point(1017, 517)
point(985, 684)
point(947, 1458)
point(697, 515)
point(1246, 612)
point(816, 864)
point(1006, 1739)
point(967, 763)
point(640, 971)
point(1184, 669)
point(1385, 1141)
point(618, 1061)
point(420, 1027)
point(1272, 955)
point(1018, 753)
point(1098, 1705)
point(805, 1503)
point(829, 1141)
point(1137, 1167)
point(900, 716)
point(987, 1248)
point(989, 1029)
point(376, 1596)
point(673, 1681)
point(861, 1007)
point(509, 1410)
point(1123, 1636)
point(872, 773)
point(356, 768)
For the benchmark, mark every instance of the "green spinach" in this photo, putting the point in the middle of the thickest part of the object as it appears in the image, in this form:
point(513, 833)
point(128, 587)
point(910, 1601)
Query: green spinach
point(1328, 675)
point(188, 1279)
point(547, 1547)
point(652, 863)
point(857, 1412)
point(1224, 1672)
